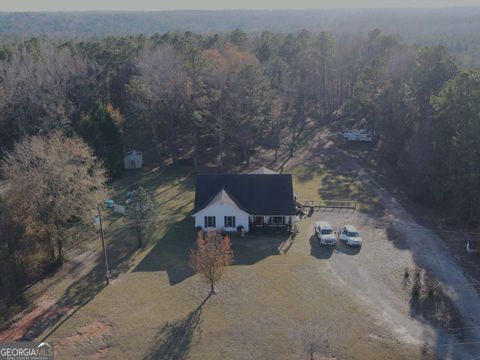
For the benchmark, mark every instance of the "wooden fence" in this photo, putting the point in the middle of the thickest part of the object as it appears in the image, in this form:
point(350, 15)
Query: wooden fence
point(328, 204)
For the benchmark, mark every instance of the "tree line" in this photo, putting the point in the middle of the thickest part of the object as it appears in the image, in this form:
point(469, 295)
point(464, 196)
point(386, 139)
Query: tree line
point(425, 109)
point(173, 94)
point(216, 99)
point(454, 27)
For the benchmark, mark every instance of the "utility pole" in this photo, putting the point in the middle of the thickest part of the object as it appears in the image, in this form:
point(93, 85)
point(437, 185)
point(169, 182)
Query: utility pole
point(105, 258)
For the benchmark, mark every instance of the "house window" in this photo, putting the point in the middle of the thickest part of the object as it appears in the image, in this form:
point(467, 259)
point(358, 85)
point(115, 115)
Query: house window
point(229, 221)
point(210, 222)
point(278, 220)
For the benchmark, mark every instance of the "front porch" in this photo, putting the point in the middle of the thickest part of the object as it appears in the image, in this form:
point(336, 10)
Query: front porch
point(271, 221)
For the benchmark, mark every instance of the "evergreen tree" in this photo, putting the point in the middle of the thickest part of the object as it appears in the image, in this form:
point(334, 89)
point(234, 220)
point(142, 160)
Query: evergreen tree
point(456, 141)
point(248, 107)
point(99, 129)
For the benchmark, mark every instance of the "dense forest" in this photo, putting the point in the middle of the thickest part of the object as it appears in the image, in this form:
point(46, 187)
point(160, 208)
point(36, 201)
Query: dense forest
point(457, 28)
point(216, 99)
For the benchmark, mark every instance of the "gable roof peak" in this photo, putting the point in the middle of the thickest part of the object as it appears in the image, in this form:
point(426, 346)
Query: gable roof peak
point(222, 197)
point(263, 170)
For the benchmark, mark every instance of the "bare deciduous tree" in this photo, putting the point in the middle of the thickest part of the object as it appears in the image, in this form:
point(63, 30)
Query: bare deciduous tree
point(210, 256)
point(140, 211)
point(314, 339)
point(39, 83)
point(161, 69)
point(52, 181)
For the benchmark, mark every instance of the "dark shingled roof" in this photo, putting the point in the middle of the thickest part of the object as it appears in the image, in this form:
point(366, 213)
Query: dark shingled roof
point(262, 194)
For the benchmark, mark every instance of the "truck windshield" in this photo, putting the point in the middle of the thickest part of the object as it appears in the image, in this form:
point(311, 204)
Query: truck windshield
point(353, 234)
point(326, 231)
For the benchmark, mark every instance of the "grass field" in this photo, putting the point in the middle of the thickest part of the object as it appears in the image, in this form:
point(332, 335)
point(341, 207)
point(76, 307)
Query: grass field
point(326, 184)
point(156, 308)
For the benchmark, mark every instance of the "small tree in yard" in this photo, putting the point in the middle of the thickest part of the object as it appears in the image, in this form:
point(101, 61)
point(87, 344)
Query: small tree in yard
point(210, 256)
point(140, 212)
point(314, 339)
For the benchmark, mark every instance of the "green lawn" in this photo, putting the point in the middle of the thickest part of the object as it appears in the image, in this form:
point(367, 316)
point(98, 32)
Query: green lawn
point(326, 184)
point(156, 308)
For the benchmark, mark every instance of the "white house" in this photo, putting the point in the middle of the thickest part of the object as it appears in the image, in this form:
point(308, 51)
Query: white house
point(222, 212)
point(247, 200)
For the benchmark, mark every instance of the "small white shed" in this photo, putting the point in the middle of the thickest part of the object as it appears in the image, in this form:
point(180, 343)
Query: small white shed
point(133, 159)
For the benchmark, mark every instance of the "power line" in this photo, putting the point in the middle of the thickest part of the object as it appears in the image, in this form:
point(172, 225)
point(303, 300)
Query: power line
point(416, 227)
point(105, 257)
point(460, 328)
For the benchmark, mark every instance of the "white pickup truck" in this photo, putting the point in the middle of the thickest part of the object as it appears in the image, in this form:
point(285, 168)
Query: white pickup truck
point(325, 233)
point(357, 135)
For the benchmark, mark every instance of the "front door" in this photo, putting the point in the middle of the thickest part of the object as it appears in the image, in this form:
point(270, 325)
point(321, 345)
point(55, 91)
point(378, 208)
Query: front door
point(258, 221)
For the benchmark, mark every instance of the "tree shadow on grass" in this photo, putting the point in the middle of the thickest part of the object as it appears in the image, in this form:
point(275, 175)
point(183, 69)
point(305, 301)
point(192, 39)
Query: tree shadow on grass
point(304, 173)
point(165, 179)
point(81, 291)
point(75, 297)
point(171, 252)
point(87, 285)
point(397, 238)
point(174, 339)
point(430, 304)
point(337, 186)
point(258, 246)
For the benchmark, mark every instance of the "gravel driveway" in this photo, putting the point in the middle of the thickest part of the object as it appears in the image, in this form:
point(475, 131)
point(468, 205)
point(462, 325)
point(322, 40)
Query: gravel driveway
point(406, 274)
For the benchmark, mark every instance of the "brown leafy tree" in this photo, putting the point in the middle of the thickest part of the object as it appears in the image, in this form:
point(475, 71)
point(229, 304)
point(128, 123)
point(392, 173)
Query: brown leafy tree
point(51, 182)
point(210, 256)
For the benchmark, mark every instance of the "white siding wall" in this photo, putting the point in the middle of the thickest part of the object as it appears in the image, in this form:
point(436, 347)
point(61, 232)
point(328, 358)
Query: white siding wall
point(220, 210)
